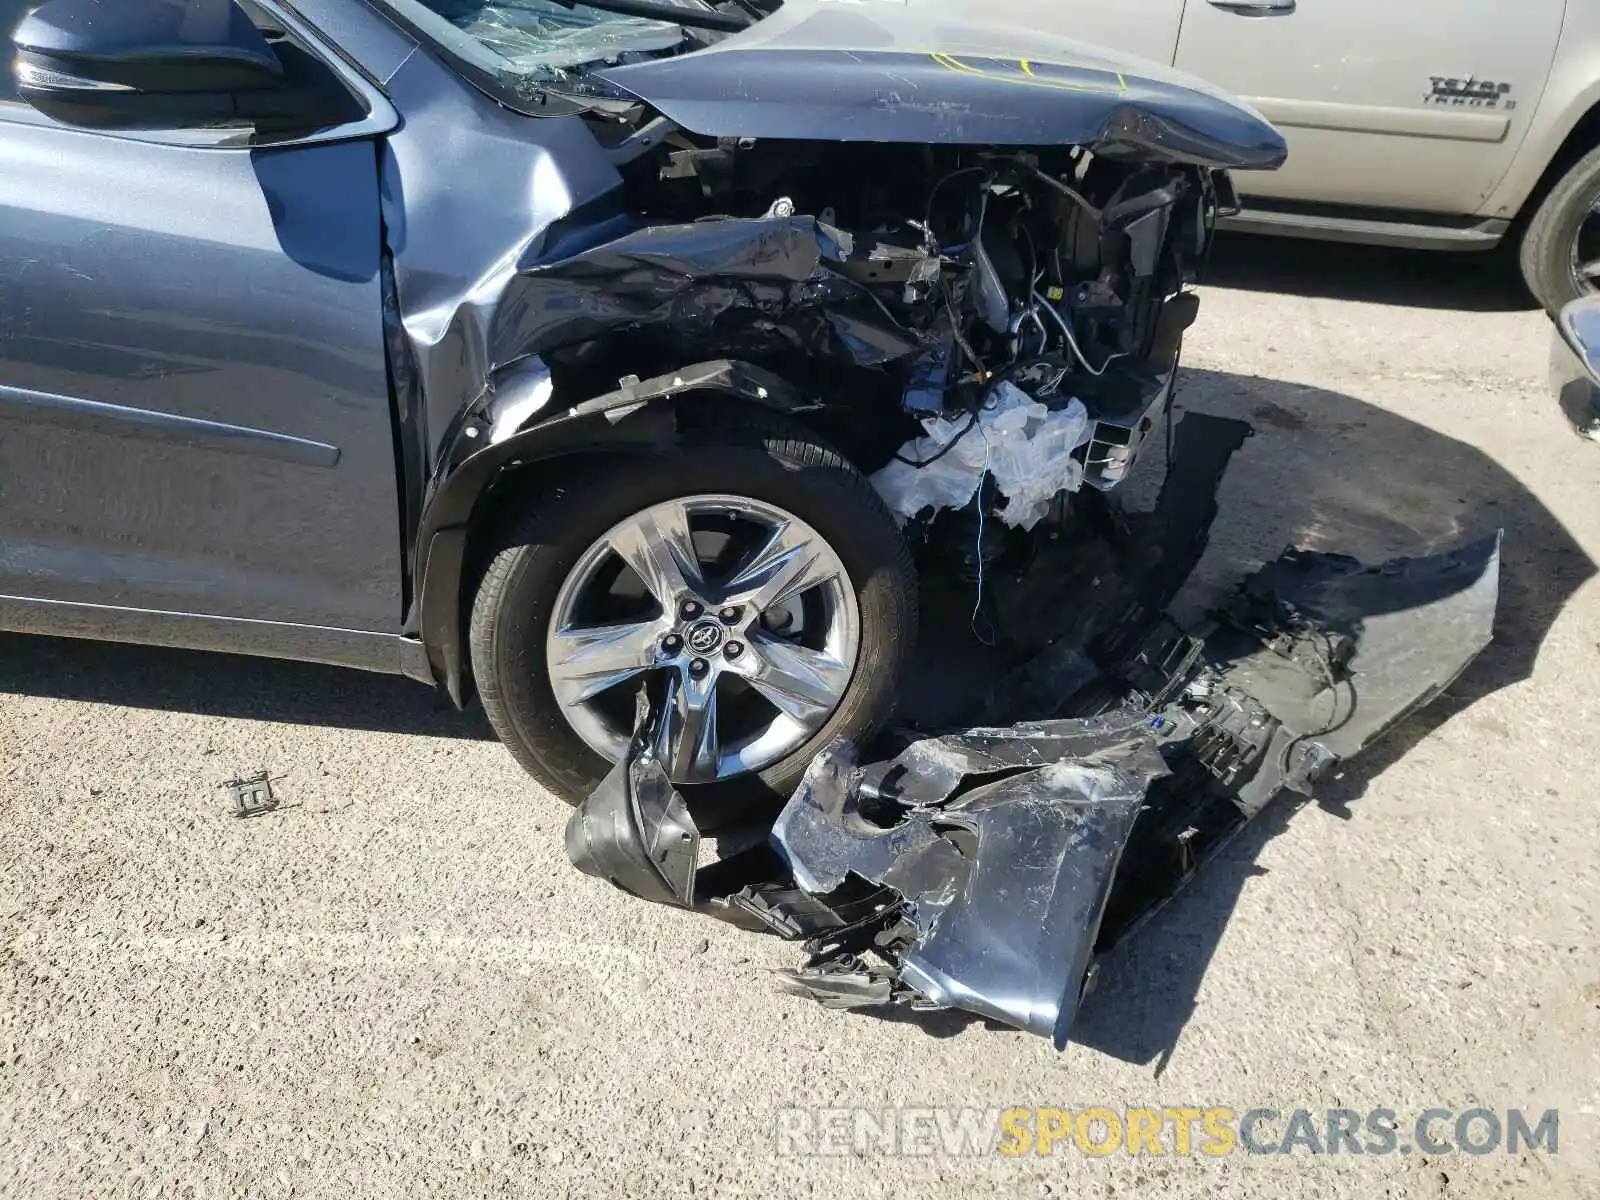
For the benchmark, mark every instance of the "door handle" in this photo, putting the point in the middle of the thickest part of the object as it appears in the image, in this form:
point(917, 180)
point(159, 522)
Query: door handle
point(1255, 8)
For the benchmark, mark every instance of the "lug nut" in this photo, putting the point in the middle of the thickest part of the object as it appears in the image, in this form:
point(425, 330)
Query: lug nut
point(731, 614)
point(699, 667)
point(690, 609)
point(672, 643)
point(733, 649)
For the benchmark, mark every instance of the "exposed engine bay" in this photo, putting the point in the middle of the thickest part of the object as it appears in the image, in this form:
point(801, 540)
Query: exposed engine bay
point(943, 274)
point(898, 233)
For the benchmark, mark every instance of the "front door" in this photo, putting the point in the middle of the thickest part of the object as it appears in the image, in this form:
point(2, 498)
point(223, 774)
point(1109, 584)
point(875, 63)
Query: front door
point(194, 403)
point(1407, 104)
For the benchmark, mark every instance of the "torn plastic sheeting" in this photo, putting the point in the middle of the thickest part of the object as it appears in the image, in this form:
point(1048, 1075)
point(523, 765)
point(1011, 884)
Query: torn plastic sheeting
point(716, 285)
point(1026, 446)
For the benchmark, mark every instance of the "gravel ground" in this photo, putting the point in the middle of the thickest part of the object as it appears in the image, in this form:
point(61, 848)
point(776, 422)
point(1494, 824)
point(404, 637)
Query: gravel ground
point(395, 985)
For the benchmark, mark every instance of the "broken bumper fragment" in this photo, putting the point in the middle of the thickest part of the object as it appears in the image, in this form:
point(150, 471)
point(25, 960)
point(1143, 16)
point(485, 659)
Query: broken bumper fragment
point(986, 869)
point(993, 892)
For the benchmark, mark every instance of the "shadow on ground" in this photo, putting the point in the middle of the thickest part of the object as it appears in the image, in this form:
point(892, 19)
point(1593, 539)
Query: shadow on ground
point(1480, 281)
point(228, 685)
point(1329, 472)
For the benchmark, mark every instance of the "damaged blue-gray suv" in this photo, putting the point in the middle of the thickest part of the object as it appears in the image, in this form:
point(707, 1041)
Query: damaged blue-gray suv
point(644, 368)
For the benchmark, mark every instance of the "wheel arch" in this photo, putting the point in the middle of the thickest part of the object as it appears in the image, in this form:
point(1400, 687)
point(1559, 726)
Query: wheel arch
point(1583, 137)
point(639, 417)
point(1572, 98)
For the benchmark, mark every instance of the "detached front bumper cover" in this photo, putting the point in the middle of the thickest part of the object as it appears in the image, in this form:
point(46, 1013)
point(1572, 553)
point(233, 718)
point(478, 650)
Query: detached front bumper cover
point(986, 868)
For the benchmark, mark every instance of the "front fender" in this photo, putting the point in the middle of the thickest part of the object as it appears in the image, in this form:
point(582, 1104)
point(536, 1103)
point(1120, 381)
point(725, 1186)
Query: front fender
point(639, 417)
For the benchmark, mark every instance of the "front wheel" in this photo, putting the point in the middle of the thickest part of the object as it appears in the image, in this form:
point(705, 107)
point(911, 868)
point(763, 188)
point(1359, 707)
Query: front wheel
point(751, 579)
point(1560, 251)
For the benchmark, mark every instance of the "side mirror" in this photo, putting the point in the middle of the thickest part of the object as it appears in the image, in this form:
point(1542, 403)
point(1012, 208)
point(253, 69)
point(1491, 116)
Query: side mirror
point(1575, 364)
point(147, 64)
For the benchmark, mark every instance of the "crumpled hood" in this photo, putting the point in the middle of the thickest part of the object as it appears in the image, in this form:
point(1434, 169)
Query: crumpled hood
point(896, 72)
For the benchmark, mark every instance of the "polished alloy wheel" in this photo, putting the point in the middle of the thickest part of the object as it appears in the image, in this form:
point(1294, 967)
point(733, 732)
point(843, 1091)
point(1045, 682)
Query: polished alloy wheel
point(1586, 251)
point(744, 614)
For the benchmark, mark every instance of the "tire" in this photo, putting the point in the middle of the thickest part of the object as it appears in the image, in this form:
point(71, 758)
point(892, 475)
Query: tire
point(1545, 254)
point(762, 456)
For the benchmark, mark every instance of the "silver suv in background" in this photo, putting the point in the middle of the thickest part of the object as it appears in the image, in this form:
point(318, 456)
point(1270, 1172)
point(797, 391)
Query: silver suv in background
point(1437, 124)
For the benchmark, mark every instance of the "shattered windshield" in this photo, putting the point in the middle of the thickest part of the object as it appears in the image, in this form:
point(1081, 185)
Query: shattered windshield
point(532, 44)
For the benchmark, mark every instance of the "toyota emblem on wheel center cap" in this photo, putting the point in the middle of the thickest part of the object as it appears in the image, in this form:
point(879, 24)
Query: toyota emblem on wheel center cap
point(704, 636)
